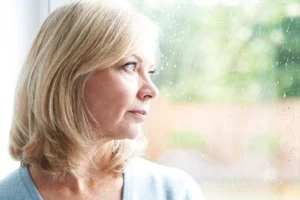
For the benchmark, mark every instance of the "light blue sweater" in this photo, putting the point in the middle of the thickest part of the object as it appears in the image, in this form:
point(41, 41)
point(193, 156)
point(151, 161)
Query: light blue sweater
point(143, 180)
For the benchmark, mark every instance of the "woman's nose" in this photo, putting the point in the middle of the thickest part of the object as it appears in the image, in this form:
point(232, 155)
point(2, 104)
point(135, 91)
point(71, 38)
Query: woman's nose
point(148, 90)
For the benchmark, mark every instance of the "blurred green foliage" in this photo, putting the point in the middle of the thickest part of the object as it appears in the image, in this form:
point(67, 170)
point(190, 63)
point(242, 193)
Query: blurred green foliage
point(264, 144)
point(248, 52)
point(185, 139)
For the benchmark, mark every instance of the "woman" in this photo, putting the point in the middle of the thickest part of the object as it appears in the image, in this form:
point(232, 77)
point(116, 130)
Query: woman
point(82, 97)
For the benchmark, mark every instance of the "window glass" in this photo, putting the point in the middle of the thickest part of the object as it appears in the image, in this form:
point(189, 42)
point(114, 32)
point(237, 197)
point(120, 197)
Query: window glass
point(229, 106)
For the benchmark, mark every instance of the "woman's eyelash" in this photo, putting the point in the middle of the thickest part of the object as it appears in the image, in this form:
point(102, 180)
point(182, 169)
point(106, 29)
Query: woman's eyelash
point(132, 65)
point(152, 72)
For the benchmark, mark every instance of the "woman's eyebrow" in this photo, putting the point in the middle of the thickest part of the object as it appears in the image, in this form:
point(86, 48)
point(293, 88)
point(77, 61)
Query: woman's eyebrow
point(152, 68)
point(140, 59)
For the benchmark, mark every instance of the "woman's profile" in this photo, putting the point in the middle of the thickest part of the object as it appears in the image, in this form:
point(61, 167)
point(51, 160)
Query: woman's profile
point(82, 97)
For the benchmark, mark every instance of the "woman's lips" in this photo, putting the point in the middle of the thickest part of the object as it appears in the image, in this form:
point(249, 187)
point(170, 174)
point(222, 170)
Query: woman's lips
point(142, 112)
point(138, 115)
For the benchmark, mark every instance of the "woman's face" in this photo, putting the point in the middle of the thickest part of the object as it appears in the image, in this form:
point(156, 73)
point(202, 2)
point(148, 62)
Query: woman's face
point(119, 96)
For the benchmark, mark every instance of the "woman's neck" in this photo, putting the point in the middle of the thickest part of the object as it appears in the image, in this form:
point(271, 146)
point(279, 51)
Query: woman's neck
point(75, 187)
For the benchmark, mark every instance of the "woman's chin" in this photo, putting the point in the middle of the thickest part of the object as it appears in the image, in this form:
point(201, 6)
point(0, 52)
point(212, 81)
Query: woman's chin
point(131, 133)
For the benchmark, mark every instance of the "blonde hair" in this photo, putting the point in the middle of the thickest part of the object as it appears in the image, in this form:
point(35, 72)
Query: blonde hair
point(51, 128)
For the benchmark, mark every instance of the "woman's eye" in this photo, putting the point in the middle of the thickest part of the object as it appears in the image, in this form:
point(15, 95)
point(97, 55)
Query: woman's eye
point(151, 73)
point(130, 66)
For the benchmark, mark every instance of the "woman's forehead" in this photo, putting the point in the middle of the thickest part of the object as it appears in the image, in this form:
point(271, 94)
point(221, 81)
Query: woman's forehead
point(145, 51)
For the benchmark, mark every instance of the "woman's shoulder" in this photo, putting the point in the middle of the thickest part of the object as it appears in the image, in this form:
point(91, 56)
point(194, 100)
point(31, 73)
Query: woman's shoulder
point(146, 168)
point(9, 185)
point(170, 182)
point(18, 186)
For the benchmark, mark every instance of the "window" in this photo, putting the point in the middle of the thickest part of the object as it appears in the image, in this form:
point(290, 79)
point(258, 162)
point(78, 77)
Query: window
point(229, 106)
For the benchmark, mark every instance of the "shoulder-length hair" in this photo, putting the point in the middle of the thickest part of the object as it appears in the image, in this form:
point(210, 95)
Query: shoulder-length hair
point(52, 126)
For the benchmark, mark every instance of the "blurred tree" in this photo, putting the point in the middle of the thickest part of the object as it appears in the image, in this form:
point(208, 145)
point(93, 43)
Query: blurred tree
point(288, 59)
point(248, 52)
